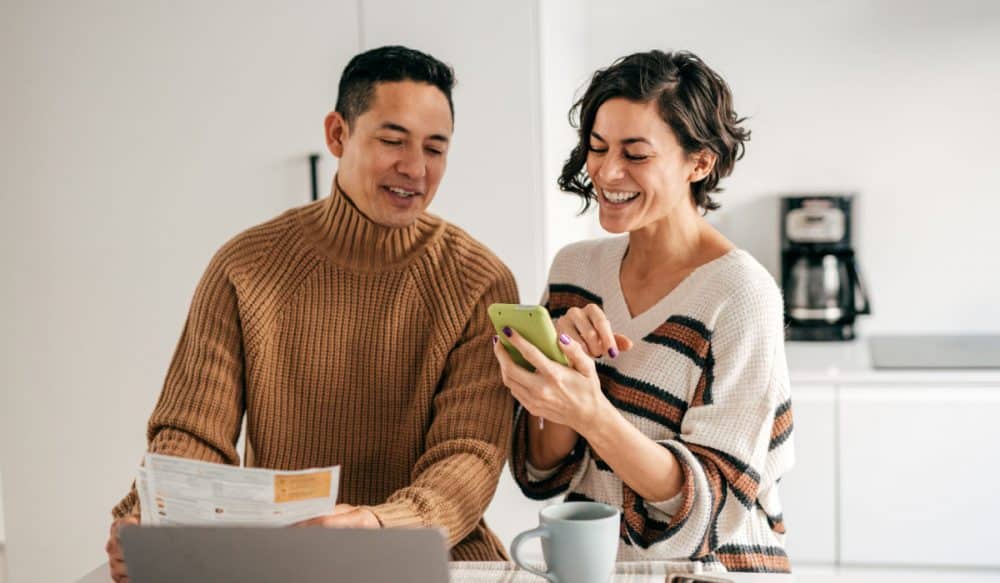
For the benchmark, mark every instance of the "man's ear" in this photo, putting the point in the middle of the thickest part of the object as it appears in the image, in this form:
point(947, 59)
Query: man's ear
point(704, 163)
point(337, 132)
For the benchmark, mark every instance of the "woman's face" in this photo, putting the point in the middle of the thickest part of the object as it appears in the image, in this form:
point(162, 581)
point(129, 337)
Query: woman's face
point(640, 171)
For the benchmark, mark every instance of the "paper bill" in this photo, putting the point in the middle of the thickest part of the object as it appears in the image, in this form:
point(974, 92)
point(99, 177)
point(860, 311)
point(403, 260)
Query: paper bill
point(175, 490)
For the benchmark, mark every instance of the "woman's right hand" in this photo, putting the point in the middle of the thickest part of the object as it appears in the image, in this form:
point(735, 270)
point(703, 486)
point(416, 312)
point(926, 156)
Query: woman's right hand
point(591, 328)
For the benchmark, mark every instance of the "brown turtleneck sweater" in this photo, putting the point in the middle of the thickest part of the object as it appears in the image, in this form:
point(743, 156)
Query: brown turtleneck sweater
point(346, 342)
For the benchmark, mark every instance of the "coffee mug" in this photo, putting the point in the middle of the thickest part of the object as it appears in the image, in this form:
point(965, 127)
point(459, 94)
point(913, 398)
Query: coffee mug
point(579, 542)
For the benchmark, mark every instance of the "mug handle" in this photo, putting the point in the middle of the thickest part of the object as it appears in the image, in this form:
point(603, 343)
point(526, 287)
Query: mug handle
point(515, 547)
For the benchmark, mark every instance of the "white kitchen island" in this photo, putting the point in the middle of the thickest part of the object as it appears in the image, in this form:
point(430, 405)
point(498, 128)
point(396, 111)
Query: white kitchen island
point(895, 469)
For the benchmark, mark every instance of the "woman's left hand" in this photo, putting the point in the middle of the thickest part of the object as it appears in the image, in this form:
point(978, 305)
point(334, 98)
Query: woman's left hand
point(568, 395)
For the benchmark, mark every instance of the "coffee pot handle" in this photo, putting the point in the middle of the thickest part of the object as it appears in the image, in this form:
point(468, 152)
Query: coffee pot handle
point(515, 551)
point(859, 285)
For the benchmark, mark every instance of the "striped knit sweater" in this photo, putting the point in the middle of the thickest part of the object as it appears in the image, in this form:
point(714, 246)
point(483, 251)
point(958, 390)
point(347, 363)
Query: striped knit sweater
point(707, 380)
point(346, 342)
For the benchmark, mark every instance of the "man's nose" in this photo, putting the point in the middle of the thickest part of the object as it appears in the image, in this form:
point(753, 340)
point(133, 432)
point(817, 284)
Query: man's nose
point(412, 163)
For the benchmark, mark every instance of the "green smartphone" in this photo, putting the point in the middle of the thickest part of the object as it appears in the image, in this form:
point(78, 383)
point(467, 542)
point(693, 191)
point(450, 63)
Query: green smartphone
point(531, 322)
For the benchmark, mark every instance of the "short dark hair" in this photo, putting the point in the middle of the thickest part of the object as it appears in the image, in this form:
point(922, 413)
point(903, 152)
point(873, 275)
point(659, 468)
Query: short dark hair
point(388, 64)
point(693, 100)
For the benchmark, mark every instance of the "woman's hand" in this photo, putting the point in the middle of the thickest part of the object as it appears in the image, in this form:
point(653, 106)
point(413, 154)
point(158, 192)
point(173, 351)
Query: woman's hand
point(568, 395)
point(592, 330)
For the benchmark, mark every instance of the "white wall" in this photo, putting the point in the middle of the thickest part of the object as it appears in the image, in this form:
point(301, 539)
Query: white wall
point(137, 138)
point(895, 100)
point(564, 29)
point(491, 187)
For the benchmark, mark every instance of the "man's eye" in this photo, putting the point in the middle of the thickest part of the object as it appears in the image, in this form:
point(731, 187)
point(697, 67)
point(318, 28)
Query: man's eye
point(389, 142)
point(434, 151)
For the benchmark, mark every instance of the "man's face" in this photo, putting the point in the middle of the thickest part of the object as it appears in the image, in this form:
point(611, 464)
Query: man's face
point(393, 156)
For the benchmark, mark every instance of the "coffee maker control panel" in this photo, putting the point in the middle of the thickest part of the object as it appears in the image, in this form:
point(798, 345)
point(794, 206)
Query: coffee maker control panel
point(816, 221)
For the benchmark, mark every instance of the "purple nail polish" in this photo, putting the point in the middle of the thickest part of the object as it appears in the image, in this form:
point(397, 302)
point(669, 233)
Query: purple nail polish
point(495, 338)
point(613, 353)
point(564, 339)
point(507, 331)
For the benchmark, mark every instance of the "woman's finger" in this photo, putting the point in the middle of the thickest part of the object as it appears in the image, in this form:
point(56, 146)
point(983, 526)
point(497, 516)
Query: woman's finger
point(510, 370)
point(602, 326)
point(533, 355)
point(578, 358)
point(585, 332)
point(624, 342)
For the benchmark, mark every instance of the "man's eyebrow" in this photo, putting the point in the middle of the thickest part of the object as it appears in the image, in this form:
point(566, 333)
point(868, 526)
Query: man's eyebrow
point(398, 128)
point(394, 127)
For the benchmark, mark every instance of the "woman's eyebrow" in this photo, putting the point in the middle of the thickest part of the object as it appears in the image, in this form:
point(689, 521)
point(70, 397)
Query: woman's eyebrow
point(626, 141)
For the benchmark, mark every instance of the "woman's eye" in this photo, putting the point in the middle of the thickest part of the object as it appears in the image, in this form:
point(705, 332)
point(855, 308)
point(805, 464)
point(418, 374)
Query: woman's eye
point(635, 158)
point(597, 150)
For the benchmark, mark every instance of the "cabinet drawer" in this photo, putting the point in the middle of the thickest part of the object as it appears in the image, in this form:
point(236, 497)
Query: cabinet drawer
point(918, 475)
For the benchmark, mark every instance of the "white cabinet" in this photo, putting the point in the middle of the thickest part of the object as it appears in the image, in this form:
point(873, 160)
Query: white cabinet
point(918, 475)
point(808, 492)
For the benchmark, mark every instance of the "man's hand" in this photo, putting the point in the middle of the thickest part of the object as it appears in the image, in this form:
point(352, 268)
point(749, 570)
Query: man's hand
point(344, 516)
point(116, 559)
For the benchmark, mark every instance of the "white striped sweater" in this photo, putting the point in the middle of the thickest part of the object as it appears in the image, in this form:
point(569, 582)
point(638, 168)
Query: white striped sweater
point(707, 379)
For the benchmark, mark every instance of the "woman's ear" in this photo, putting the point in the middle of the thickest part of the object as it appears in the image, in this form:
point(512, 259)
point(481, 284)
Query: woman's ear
point(704, 163)
point(337, 132)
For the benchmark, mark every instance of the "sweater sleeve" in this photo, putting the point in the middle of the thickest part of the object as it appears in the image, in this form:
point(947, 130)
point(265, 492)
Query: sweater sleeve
point(200, 409)
point(468, 438)
point(724, 435)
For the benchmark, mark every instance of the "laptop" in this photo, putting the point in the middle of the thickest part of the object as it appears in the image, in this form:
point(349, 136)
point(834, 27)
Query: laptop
point(168, 554)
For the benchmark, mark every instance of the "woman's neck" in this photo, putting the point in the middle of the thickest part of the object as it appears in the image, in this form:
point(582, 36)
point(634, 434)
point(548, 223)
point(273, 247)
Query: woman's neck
point(674, 242)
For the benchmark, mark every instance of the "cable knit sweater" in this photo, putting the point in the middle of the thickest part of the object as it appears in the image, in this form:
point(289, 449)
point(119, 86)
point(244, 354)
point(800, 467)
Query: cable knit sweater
point(346, 342)
point(707, 380)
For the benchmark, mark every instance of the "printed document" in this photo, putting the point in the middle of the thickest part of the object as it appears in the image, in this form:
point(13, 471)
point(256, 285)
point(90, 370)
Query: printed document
point(175, 490)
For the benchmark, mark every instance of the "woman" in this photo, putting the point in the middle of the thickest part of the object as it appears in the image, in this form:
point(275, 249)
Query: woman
point(676, 405)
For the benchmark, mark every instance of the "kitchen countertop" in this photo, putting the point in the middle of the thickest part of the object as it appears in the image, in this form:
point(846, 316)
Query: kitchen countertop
point(468, 572)
point(850, 362)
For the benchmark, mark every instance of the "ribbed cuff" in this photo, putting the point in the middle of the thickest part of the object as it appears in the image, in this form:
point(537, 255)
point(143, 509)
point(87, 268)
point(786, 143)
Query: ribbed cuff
point(397, 514)
point(129, 506)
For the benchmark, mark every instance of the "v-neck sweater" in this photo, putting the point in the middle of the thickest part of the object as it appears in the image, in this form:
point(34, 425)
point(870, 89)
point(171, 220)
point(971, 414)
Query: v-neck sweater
point(707, 380)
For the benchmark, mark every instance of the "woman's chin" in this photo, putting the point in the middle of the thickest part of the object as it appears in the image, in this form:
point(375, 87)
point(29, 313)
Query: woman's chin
point(614, 225)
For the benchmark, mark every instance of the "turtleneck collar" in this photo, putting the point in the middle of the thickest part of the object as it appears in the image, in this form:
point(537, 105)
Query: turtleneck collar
point(350, 239)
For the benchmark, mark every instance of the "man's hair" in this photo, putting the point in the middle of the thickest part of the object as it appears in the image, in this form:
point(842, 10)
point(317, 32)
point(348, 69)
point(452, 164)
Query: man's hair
point(693, 100)
point(388, 64)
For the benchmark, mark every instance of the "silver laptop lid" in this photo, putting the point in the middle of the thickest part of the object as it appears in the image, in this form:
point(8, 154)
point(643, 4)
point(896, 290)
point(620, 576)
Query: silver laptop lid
point(168, 554)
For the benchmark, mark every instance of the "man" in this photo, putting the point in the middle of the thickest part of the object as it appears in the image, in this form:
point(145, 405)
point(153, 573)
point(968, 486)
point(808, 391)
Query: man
point(354, 331)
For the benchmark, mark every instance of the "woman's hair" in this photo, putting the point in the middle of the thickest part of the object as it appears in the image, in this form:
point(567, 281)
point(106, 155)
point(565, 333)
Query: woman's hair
point(693, 100)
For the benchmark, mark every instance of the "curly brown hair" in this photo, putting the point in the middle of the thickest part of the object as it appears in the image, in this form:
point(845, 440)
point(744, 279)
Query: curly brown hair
point(693, 100)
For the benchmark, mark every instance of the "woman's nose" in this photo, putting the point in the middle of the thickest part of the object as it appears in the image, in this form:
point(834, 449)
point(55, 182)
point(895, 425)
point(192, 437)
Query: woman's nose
point(610, 171)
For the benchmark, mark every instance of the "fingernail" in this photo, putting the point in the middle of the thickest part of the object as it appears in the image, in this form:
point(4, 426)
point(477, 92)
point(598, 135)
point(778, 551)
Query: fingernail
point(507, 331)
point(495, 338)
point(613, 353)
point(564, 339)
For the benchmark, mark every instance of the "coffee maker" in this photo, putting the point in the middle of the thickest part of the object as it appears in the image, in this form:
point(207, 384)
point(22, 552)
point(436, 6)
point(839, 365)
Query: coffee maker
point(822, 285)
